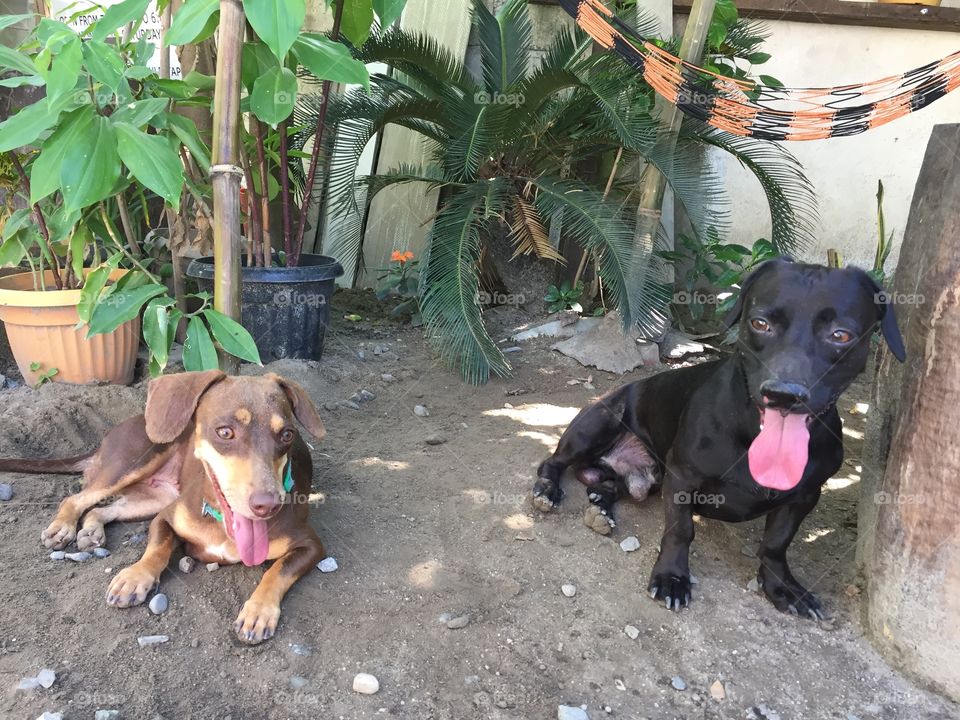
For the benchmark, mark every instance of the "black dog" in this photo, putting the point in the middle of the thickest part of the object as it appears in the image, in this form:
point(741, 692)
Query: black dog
point(755, 434)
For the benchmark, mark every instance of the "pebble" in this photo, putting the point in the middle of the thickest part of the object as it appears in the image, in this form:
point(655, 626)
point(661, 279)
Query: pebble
point(328, 565)
point(28, 684)
point(364, 396)
point(6, 492)
point(380, 349)
point(159, 604)
point(718, 691)
point(330, 406)
point(753, 585)
point(421, 411)
point(211, 567)
point(514, 349)
point(630, 544)
point(365, 684)
point(748, 551)
point(762, 712)
point(150, 640)
point(137, 539)
point(46, 678)
point(458, 622)
point(589, 386)
point(107, 715)
point(101, 552)
point(301, 650)
point(619, 684)
point(51, 716)
point(362, 354)
point(187, 564)
point(195, 643)
point(568, 590)
point(298, 683)
point(568, 712)
point(435, 439)
point(387, 377)
point(79, 556)
point(349, 404)
point(58, 555)
point(677, 683)
point(632, 632)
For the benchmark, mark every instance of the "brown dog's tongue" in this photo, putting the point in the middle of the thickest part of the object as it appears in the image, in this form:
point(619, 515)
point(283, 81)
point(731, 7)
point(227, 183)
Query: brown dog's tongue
point(779, 453)
point(251, 539)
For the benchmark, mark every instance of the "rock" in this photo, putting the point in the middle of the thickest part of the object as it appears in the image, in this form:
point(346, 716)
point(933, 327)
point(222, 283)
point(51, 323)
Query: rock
point(568, 590)
point(159, 604)
point(619, 684)
point(753, 585)
point(51, 716)
point(330, 406)
point(380, 349)
point(718, 691)
point(6, 492)
point(435, 439)
point(458, 622)
point(364, 396)
point(46, 678)
point(28, 684)
point(676, 345)
point(195, 643)
point(365, 684)
point(362, 354)
point(748, 551)
point(677, 683)
point(568, 712)
point(349, 404)
point(137, 539)
point(79, 556)
point(328, 565)
point(187, 564)
point(298, 683)
point(514, 349)
point(301, 650)
point(762, 712)
point(387, 377)
point(101, 552)
point(58, 555)
point(151, 640)
point(421, 411)
point(211, 567)
point(566, 326)
point(107, 715)
point(605, 347)
point(630, 544)
point(631, 632)
point(589, 386)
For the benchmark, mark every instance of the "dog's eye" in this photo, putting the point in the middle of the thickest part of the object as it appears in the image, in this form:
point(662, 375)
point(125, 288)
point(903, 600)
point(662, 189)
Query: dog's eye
point(286, 435)
point(841, 336)
point(225, 433)
point(760, 325)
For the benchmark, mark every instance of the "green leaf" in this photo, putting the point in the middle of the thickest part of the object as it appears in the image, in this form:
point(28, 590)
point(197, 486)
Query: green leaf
point(119, 307)
point(93, 285)
point(277, 22)
point(329, 60)
point(152, 161)
point(141, 112)
point(158, 331)
point(78, 244)
point(274, 95)
point(91, 168)
point(116, 15)
point(12, 251)
point(10, 59)
point(46, 167)
point(232, 336)
point(388, 11)
point(357, 20)
point(104, 63)
point(21, 80)
point(63, 73)
point(770, 81)
point(198, 350)
point(256, 60)
point(190, 21)
point(200, 81)
point(758, 58)
point(176, 89)
point(185, 129)
point(26, 126)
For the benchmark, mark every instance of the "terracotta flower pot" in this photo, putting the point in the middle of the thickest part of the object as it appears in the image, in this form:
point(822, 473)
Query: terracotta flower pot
point(42, 330)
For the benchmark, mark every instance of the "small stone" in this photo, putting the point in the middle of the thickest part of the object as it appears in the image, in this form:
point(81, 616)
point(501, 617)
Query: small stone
point(159, 604)
point(568, 590)
point(79, 556)
point(677, 683)
point(58, 555)
point(51, 716)
point(101, 552)
point(619, 684)
point(387, 377)
point(753, 585)
point(187, 564)
point(632, 632)
point(421, 411)
point(435, 439)
point(718, 691)
point(298, 683)
point(107, 715)
point(380, 349)
point(211, 567)
point(514, 349)
point(328, 565)
point(6, 492)
point(151, 640)
point(458, 622)
point(364, 396)
point(28, 684)
point(852, 590)
point(330, 406)
point(195, 643)
point(694, 580)
point(748, 551)
point(349, 404)
point(46, 678)
point(301, 650)
point(589, 386)
point(365, 684)
point(568, 712)
point(137, 539)
point(362, 354)
point(630, 544)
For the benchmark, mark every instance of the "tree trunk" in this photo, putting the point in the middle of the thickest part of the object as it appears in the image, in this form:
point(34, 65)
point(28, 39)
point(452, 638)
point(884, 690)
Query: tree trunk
point(910, 509)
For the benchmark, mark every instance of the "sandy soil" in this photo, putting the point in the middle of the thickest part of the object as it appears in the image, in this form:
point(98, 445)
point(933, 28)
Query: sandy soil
point(423, 532)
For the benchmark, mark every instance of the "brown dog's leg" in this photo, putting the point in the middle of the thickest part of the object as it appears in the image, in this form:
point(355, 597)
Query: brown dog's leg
point(132, 585)
point(138, 502)
point(257, 620)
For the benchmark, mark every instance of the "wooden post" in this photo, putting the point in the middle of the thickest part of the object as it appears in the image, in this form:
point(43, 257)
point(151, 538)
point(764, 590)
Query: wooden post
point(910, 497)
point(225, 173)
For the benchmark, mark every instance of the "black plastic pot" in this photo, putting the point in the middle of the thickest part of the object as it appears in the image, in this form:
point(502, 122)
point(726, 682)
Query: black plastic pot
point(285, 309)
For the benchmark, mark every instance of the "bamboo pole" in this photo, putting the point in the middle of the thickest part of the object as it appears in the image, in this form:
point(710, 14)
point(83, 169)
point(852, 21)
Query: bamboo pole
point(225, 172)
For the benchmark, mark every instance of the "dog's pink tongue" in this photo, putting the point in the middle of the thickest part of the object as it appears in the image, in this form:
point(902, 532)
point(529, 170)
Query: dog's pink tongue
point(251, 539)
point(778, 455)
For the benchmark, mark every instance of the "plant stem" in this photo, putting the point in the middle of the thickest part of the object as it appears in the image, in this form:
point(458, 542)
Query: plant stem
point(127, 225)
point(253, 206)
point(41, 221)
point(285, 198)
point(112, 232)
point(264, 194)
point(318, 139)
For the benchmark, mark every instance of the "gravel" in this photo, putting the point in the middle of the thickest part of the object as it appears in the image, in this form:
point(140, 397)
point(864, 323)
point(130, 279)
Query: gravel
point(365, 684)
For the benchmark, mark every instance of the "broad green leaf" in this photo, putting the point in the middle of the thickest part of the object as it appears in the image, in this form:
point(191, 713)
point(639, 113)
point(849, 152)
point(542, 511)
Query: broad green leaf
point(12, 251)
point(152, 161)
point(104, 63)
point(256, 60)
point(190, 21)
point(274, 95)
point(10, 59)
point(200, 81)
point(388, 11)
point(276, 22)
point(330, 60)
point(185, 129)
point(17, 220)
point(198, 350)
point(45, 169)
point(116, 15)
point(21, 80)
point(91, 168)
point(26, 126)
point(357, 20)
point(93, 285)
point(119, 307)
point(78, 244)
point(141, 112)
point(64, 72)
point(758, 58)
point(770, 81)
point(157, 330)
point(232, 336)
point(176, 89)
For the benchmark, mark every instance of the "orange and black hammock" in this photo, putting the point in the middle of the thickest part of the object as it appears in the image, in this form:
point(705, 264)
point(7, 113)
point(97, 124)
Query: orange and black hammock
point(750, 109)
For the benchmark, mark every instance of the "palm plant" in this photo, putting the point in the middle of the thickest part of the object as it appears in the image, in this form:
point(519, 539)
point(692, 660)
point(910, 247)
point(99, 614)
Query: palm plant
point(504, 149)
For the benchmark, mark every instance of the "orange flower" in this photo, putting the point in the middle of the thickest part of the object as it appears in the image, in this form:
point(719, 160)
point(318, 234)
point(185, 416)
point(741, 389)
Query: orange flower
point(401, 257)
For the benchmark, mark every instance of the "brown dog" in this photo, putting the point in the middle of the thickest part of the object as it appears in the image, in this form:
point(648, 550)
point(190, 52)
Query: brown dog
point(220, 464)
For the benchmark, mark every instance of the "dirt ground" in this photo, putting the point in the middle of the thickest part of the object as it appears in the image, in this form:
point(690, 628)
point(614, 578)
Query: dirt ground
point(423, 533)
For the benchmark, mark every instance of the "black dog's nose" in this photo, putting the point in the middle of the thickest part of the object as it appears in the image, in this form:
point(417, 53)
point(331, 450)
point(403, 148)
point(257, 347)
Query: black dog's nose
point(784, 395)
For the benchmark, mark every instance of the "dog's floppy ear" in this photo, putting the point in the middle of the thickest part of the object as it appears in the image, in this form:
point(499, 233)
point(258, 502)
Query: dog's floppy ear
point(886, 316)
point(734, 315)
point(172, 400)
point(303, 407)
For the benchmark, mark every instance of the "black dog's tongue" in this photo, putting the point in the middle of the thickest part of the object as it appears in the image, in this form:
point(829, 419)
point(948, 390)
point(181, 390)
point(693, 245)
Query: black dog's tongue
point(778, 455)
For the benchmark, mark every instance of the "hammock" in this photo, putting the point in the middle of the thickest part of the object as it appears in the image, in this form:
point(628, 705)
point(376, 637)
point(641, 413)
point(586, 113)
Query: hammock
point(754, 110)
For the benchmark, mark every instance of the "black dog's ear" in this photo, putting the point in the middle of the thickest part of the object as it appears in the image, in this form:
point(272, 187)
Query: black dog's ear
point(172, 400)
point(886, 317)
point(734, 315)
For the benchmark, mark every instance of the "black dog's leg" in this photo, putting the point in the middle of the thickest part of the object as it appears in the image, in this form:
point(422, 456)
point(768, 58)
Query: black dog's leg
point(774, 575)
point(670, 579)
point(599, 513)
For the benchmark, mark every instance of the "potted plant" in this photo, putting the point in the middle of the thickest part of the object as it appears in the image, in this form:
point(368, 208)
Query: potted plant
point(104, 133)
point(285, 292)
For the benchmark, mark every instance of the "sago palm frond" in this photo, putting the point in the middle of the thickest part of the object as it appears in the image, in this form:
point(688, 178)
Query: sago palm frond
point(504, 42)
point(528, 234)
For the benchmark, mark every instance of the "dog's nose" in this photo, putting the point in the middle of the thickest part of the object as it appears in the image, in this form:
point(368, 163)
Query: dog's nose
point(785, 395)
point(264, 504)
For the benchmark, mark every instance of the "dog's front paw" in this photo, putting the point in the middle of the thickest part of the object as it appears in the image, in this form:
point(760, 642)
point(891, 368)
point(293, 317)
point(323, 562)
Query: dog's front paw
point(256, 622)
point(546, 495)
point(58, 535)
point(91, 537)
point(673, 588)
point(791, 597)
point(130, 587)
point(597, 519)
